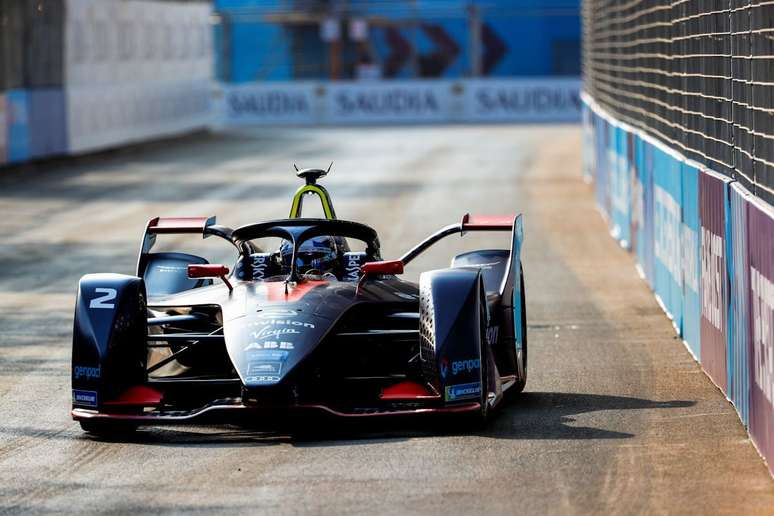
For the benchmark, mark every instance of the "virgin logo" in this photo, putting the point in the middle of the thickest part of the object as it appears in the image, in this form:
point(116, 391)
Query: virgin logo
point(268, 331)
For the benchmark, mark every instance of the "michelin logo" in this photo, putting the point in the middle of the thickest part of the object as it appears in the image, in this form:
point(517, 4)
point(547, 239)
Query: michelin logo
point(463, 391)
point(88, 398)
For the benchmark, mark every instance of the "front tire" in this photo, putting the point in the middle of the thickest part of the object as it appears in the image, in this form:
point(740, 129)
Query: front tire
point(478, 419)
point(483, 412)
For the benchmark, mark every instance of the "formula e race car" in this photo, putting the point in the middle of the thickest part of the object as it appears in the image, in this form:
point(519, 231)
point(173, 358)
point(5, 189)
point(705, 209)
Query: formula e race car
point(310, 318)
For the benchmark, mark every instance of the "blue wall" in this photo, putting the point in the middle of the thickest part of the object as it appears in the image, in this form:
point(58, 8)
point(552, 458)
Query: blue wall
point(538, 38)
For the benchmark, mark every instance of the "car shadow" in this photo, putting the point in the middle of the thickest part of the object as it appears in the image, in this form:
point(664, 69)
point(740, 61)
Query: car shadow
point(532, 416)
point(550, 415)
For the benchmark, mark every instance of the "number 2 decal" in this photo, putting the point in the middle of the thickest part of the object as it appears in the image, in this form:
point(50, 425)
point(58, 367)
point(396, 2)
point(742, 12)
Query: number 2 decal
point(102, 301)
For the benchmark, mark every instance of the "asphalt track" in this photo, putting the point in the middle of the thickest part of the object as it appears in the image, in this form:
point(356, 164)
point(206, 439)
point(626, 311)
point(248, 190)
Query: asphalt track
point(617, 418)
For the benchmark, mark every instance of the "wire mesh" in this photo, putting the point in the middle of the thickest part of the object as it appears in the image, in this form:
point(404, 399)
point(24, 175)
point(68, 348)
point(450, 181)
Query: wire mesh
point(697, 74)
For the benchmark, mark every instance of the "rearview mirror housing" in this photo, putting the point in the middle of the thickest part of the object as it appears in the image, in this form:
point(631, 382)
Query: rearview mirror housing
point(384, 267)
point(209, 270)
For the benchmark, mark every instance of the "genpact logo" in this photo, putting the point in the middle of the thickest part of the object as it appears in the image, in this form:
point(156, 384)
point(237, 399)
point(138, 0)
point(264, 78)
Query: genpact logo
point(465, 365)
point(86, 372)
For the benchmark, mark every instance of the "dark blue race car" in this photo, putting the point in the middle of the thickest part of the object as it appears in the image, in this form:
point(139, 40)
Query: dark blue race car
point(309, 318)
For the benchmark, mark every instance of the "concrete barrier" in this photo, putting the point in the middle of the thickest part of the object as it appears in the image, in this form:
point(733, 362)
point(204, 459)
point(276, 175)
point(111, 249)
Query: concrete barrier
point(705, 245)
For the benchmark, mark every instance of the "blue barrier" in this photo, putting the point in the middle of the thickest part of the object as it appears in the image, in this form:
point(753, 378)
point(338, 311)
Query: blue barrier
point(667, 220)
point(691, 328)
point(601, 176)
point(738, 342)
point(620, 197)
point(646, 242)
point(17, 126)
point(589, 156)
point(706, 247)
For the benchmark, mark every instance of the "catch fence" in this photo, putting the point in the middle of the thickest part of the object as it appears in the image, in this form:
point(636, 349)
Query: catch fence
point(696, 74)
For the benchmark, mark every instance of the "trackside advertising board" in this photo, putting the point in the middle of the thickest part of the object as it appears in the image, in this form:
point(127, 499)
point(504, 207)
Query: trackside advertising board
point(713, 197)
point(601, 177)
point(706, 247)
point(269, 103)
point(690, 258)
point(667, 230)
point(619, 185)
point(760, 224)
point(738, 361)
point(644, 213)
point(398, 101)
point(521, 100)
point(387, 102)
point(589, 146)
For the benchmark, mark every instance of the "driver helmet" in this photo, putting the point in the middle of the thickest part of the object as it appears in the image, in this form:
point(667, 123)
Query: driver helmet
point(317, 255)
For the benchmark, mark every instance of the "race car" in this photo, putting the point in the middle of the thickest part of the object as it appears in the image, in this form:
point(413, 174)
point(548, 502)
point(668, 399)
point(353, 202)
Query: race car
point(308, 318)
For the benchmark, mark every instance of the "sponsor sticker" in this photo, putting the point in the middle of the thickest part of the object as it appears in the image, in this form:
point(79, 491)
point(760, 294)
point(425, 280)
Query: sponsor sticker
point(444, 367)
point(459, 366)
point(268, 354)
point(88, 373)
point(492, 333)
point(463, 391)
point(169, 268)
point(88, 398)
point(264, 368)
point(352, 270)
point(259, 267)
point(262, 379)
point(276, 314)
point(272, 321)
point(268, 333)
point(269, 344)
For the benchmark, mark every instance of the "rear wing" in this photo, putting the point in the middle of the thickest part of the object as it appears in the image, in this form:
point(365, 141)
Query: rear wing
point(160, 225)
point(470, 222)
point(204, 226)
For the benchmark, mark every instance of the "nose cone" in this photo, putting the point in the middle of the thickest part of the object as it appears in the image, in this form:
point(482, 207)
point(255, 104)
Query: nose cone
point(266, 346)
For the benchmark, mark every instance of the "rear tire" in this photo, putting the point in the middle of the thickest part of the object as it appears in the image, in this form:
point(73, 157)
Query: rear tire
point(522, 382)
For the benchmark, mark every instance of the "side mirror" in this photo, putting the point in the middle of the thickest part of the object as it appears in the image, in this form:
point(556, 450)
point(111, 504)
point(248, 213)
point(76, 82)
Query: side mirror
point(207, 270)
point(385, 267)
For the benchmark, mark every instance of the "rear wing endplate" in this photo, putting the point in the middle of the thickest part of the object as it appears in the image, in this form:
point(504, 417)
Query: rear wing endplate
point(204, 226)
